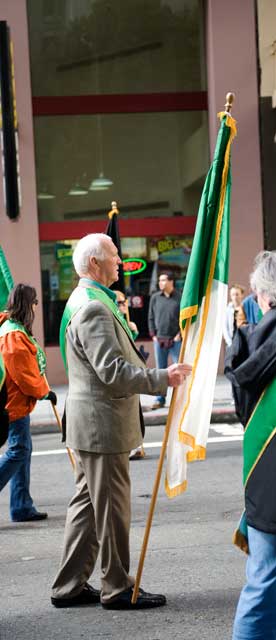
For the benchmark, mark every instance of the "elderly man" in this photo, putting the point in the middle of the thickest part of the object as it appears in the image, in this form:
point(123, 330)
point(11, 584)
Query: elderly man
point(106, 375)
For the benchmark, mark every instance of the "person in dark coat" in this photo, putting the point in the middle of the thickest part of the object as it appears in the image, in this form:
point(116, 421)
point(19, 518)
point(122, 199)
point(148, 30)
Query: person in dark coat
point(251, 367)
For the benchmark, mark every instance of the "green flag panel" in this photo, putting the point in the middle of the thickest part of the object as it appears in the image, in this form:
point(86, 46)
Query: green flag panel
point(6, 280)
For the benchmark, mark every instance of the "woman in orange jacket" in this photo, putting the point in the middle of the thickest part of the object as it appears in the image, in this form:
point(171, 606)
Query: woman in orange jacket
point(25, 365)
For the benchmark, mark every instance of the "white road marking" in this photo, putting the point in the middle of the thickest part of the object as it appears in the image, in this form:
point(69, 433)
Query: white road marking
point(149, 445)
point(228, 429)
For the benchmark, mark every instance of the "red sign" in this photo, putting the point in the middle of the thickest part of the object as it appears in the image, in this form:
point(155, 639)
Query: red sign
point(134, 265)
point(137, 302)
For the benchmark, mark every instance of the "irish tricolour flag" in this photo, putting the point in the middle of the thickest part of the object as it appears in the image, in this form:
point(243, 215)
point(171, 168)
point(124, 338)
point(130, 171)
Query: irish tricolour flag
point(203, 301)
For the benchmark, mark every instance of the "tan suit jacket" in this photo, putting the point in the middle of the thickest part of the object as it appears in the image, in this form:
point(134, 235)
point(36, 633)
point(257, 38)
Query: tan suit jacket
point(106, 375)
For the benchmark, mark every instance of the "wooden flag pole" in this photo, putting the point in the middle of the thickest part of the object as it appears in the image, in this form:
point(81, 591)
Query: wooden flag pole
point(60, 428)
point(158, 474)
point(57, 416)
point(127, 312)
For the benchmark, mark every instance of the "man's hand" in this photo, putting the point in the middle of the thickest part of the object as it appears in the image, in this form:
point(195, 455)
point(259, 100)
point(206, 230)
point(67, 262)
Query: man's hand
point(177, 338)
point(177, 374)
point(52, 397)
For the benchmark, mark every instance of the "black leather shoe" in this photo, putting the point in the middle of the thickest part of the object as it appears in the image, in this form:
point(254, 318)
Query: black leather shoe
point(144, 600)
point(157, 405)
point(88, 595)
point(38, 515)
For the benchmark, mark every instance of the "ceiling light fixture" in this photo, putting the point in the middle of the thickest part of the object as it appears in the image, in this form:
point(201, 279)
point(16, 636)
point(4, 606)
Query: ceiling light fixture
point(44, 194)
point(77, 190)
point(101, 183)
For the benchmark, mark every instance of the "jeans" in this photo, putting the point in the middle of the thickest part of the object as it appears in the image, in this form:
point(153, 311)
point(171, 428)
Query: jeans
point(256, 612)
point(162, 356)
point(15, 466)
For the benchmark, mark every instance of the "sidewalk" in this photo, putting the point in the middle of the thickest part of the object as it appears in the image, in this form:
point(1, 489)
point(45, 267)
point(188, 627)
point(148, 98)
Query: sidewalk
point(43, 419)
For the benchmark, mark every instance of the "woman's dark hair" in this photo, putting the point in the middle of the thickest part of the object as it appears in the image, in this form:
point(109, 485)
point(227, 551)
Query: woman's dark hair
point(20, 305)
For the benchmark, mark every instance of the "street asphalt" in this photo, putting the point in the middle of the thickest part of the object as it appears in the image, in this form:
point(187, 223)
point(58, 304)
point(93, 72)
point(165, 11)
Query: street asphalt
point(190, 556)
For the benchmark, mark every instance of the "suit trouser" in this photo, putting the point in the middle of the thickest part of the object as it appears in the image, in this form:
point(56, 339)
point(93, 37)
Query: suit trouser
point(98, 519)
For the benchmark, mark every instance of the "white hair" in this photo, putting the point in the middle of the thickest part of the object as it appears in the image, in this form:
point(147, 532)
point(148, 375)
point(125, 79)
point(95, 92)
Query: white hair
point(263, 278)
point(90, 246)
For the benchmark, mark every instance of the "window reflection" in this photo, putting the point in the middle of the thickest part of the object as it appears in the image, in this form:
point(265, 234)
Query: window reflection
point(156, 164)
point(115, 46)
point(59, 277)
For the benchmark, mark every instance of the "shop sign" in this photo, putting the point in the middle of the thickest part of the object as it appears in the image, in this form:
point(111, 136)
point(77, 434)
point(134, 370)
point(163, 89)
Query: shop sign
point(167, 244)
point(64, 252)
point(134, 265)
point(65, 270)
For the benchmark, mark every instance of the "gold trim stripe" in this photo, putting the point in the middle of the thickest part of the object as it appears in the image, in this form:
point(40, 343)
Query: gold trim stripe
point(199, 453)
point(186, 438)
point(255, 409)
point(187, 312)
point(260, 455)
point(176, 491)
point(240, 541)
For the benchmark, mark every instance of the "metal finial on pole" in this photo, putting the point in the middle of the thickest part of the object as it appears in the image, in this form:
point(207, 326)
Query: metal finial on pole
point(230, 97)
point(114, 209)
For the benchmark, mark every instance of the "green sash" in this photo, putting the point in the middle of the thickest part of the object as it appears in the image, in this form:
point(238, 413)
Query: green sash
point(11, 325)
point(2, 371)
point(259, 431)
point(80, 297)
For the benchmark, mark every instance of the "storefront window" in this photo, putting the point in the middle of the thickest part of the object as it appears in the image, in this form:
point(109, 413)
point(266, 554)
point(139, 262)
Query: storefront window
point(120, 113)
point(115, 46)
point(155, 164)
point(159, 254)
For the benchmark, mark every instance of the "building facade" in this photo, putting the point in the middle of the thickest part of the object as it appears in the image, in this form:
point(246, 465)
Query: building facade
point(119, 101)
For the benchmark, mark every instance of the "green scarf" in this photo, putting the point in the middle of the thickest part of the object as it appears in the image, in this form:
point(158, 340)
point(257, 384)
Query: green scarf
point(2, 371)
point(11, 325)
point(80, 297)
point(259, 431)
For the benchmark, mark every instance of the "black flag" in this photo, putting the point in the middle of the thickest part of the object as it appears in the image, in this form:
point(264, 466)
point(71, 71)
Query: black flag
point(112, 231)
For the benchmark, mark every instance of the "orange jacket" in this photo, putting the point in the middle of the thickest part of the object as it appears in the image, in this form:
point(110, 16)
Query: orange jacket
point(25, 385)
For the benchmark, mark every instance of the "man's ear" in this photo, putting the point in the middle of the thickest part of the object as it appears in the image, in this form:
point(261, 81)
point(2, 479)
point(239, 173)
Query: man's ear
point(93, 261)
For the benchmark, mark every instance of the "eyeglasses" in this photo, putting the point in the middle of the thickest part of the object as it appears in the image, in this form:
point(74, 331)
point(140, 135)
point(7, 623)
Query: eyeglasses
point(35, 302)
point(122, 301)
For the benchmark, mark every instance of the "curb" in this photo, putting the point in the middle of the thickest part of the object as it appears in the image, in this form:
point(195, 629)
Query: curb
point(226, 414)
point(151, 419)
